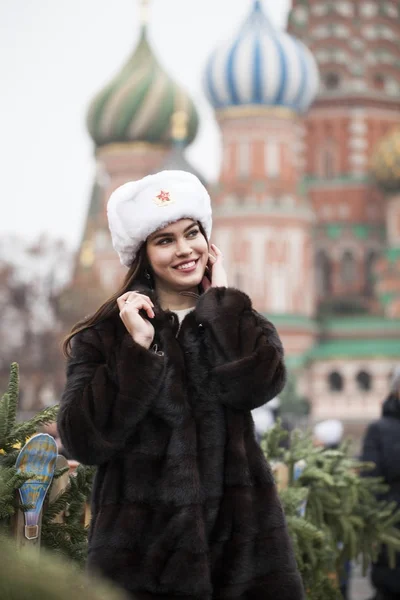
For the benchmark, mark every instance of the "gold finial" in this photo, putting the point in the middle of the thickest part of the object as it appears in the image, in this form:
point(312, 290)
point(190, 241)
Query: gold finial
point(179, 127)
point(86, 257)
point(144, 12)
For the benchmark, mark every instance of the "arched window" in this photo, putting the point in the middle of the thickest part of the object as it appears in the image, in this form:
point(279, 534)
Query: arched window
point(335, 381)
point(370, 261)
point(244, 159)
point(327, 157)
point(272, 159)
point(323, 273)
point(328, 164)
point(348, 268)
point(364, 381)
point(331, 81)
point(379, 81)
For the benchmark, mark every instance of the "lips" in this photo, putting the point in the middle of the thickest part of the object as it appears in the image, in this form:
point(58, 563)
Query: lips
point(187, 267)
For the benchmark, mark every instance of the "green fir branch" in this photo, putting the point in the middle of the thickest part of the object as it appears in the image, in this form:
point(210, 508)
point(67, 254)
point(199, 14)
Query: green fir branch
point(10, 482)
point(4, 410)
point(23, 431)
point(13, 393)
point(60, 472)
point(69, 538)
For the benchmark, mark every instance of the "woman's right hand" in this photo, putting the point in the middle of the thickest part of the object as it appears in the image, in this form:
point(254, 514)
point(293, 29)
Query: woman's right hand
point(141, 330)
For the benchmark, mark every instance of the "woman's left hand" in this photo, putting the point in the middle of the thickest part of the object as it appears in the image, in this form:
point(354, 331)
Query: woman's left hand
point(216, 268)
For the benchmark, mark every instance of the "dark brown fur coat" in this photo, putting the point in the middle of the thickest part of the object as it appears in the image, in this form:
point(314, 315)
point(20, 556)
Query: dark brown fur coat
point(184, 503)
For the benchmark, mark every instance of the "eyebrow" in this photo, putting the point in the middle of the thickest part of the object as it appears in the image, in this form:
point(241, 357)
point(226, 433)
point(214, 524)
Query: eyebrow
point(170, 234)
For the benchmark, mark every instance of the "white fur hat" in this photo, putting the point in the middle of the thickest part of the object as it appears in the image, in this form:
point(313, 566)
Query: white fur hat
point(329, 432)
point(138, 208)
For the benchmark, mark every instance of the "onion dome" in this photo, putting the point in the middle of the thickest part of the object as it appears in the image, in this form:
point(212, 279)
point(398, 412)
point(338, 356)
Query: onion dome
point(262, 66)
point(138, 103)
point(385, 163)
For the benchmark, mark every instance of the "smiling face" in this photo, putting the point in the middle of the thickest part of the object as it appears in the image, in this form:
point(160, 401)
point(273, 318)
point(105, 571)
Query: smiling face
point(178, 256)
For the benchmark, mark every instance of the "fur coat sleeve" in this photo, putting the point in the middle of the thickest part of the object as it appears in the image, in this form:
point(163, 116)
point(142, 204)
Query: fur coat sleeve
point(102, 404)
point(244, 349)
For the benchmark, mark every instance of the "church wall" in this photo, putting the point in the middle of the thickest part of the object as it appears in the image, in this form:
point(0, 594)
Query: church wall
point(351, 403)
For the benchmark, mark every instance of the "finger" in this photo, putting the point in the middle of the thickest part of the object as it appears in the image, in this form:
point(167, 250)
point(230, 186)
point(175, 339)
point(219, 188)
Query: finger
point(146, 297)
point(212, 258)
point(121, 302)
point(124, 296)
point(216, 250)
point(150, 312)
point(139, 303)
point(133, 294)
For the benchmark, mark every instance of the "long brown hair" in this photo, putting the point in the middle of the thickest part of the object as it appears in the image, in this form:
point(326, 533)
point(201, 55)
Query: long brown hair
point(136, 274)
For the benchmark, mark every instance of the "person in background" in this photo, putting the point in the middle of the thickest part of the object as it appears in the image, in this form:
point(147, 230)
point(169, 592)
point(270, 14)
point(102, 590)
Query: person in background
point(328, 434)
point(382, 447)
point(161, 382)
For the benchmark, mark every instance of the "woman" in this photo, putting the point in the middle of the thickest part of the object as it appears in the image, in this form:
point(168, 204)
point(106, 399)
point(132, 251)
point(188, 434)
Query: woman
point(382, 447)
point(160, 385)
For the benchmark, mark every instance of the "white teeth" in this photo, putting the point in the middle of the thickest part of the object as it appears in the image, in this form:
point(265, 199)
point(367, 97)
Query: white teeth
point(188, 265)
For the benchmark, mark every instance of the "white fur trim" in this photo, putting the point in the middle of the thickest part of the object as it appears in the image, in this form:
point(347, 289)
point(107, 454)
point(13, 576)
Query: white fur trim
point(133, 212)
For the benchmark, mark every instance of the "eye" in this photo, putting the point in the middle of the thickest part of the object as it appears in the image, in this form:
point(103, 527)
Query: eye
point(193, 232)
point(164, 241)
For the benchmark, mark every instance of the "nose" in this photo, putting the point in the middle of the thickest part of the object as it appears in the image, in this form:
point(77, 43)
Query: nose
point(183, 248)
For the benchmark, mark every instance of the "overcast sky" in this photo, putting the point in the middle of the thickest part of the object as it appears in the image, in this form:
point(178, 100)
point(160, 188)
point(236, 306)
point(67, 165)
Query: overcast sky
point(55, 55)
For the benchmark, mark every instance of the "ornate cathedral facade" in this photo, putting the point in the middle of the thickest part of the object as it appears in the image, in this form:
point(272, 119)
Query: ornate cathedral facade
point(307, 203)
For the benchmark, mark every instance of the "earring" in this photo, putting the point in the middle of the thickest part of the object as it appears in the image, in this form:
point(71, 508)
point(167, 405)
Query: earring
point(147, 274)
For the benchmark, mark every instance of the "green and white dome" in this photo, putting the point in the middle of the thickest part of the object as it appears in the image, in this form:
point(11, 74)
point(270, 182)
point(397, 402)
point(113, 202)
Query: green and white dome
point(138, 103)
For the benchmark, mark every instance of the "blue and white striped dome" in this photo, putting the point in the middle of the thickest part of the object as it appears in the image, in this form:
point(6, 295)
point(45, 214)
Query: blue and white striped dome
point(262, 66)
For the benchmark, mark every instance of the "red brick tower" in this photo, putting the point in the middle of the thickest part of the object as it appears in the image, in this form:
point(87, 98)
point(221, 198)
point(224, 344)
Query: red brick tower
point(259, 83)
point(356, 45)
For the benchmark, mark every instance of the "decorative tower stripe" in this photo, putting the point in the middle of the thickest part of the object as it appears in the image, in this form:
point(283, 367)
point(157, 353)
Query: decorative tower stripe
point(257, 81)
point(261, 66)
point(231, 73)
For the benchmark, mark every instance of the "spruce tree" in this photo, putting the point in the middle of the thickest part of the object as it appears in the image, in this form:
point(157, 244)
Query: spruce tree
point(69, 537)
point(13, 436)
point(343, 518)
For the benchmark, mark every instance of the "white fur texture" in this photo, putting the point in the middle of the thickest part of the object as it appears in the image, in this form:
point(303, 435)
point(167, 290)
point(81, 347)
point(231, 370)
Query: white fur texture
point(133, 213)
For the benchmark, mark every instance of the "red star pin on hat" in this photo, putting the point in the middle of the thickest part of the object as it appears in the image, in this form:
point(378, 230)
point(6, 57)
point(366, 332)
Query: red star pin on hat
point(163, 198)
